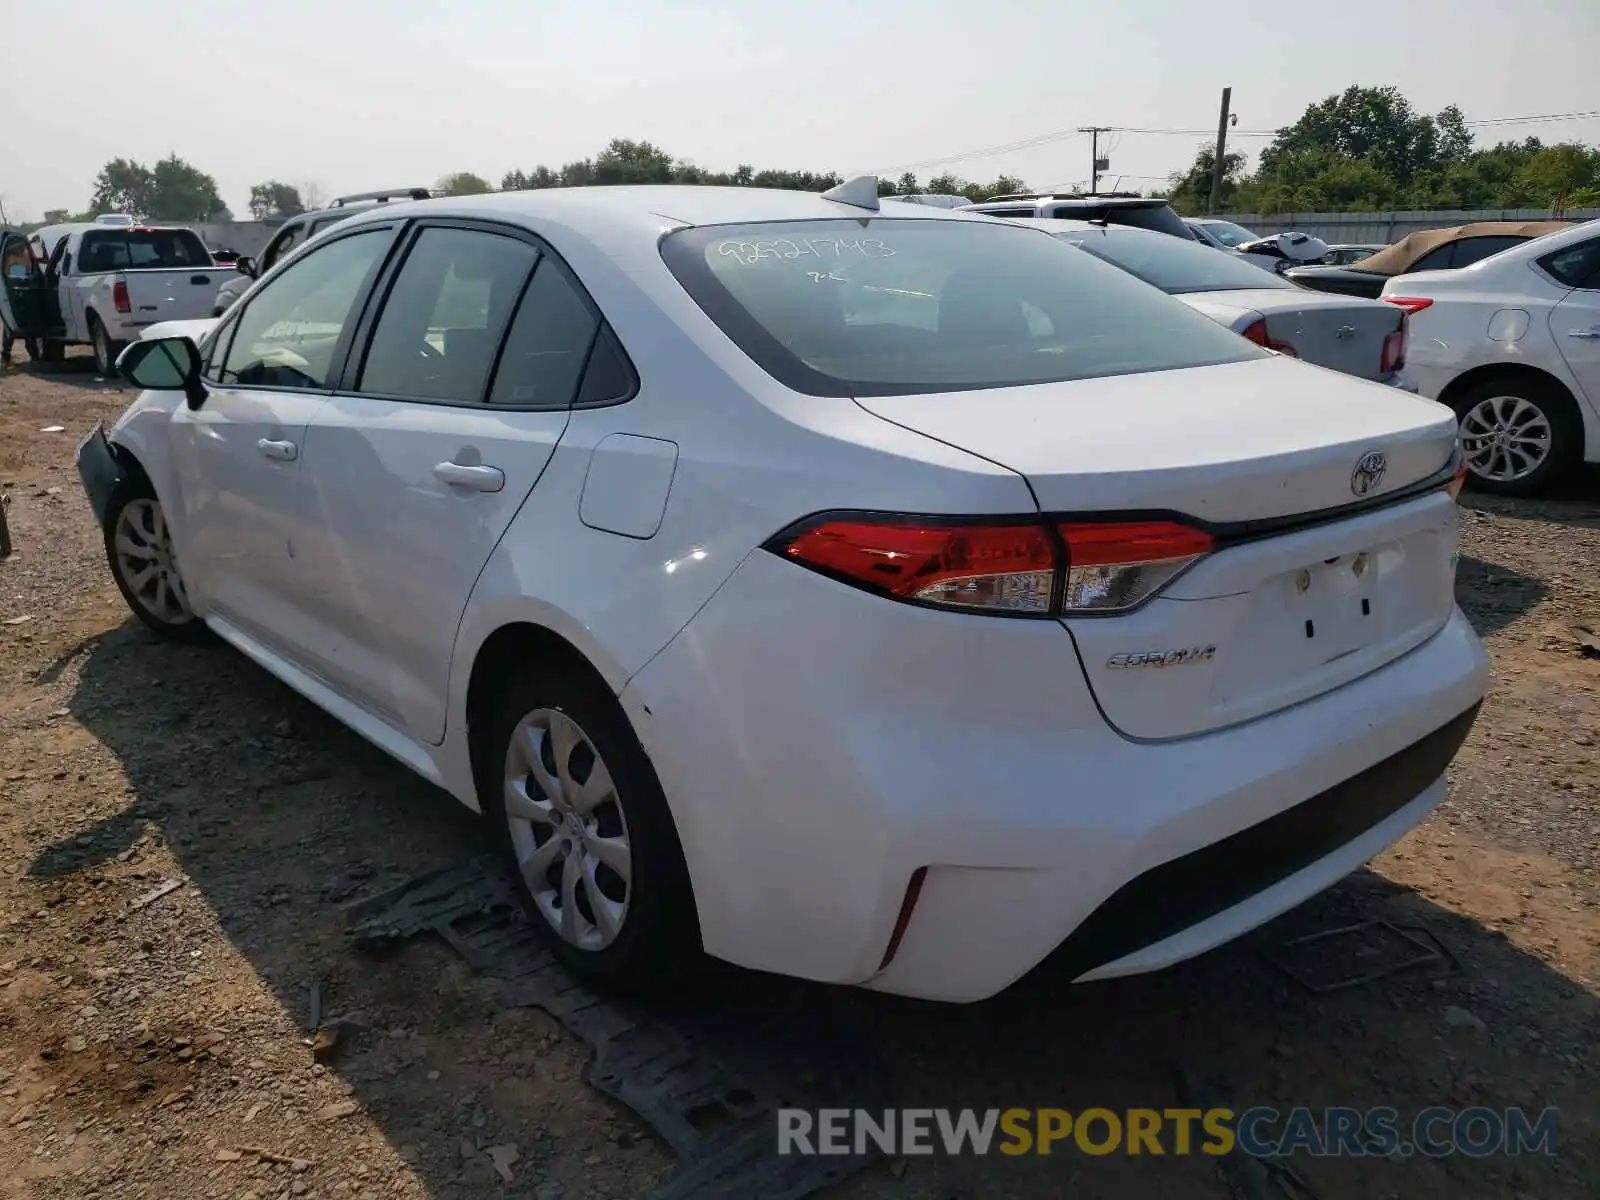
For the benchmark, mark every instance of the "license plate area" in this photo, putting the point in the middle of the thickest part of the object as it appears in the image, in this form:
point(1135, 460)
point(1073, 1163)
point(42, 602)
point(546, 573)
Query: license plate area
point(1331, 620)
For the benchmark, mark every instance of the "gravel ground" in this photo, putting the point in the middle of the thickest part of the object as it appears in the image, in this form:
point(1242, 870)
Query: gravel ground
point(177, 831)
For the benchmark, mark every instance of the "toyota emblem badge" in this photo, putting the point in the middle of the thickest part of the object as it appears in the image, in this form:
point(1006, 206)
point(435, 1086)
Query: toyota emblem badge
point(1370, 470)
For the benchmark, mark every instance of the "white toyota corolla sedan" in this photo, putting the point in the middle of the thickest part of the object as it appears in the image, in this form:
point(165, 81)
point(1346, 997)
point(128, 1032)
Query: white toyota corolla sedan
point(762, 618)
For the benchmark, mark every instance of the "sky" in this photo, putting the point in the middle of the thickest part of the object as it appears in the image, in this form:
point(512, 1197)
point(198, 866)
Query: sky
point(355, 95)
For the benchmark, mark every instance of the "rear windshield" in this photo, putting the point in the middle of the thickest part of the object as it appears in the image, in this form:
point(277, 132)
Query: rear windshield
point(1159, 217)
point(893, 307)
point(141, 249)
point(1173, 266)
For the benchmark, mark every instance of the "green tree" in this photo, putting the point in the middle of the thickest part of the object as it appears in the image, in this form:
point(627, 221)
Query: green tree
point(1189, 190)
point(275, 199)
point(463, 183)
point(172, 190)
point(1377, 124)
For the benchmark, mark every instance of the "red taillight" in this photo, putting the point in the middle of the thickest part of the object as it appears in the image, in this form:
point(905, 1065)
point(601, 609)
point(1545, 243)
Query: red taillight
point(1010, 568)
point(1257, 333)
point(119, 297)
point(1115, 565)
point(1411, 304)
point(1394, 347)
point(1021, 569)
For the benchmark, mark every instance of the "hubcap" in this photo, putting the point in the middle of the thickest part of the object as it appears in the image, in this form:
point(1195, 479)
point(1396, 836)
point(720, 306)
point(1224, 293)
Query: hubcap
point(146, 561)
point(102, 350)
point(568, 829)
point(1505, 438)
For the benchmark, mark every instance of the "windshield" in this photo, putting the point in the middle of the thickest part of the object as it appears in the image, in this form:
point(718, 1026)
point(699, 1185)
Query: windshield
point(886, 307)
point(1173, 266)
point(136, 249)
point(1227, 232)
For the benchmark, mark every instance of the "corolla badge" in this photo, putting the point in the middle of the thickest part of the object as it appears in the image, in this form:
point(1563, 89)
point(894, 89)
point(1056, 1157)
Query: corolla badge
point(1370, 470)
point(1345, 332)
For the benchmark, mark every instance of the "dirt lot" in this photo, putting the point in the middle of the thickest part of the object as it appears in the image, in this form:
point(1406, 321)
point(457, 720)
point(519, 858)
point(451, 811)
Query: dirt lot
point(151, 1045)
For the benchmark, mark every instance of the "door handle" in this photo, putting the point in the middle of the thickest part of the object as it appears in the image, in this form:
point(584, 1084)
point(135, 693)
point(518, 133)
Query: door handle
point(279, 451)
point(198, 279)
point(477, 479)
point(1585, 333)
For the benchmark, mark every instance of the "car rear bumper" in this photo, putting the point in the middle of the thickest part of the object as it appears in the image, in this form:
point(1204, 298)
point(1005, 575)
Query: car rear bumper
point(821, 747)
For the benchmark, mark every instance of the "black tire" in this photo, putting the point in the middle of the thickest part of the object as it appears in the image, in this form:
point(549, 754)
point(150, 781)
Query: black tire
point(657, 950)
point(106, 348)
point(191, 629)
point(1557, 412)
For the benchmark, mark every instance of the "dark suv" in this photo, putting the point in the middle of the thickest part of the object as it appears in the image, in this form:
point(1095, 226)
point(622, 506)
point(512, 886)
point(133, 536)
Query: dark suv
point(1107, 208)
point(300, 228)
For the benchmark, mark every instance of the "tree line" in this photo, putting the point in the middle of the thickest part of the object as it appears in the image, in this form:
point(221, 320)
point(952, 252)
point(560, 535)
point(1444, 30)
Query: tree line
point(1366, 149)
point(1369, 150)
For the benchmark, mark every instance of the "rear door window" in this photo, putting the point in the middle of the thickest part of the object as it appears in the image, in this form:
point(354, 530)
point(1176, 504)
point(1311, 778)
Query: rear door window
point(444, 318)
point(1471, 250)
point(890, 307)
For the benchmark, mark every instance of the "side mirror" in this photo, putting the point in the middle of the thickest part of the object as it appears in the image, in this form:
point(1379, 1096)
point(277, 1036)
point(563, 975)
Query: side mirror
point(246, 265)
point(169, 364)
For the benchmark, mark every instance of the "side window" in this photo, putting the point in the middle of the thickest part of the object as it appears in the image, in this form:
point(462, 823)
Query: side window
point(1471, 250)
point(286, 241)
point(215, 348)
point(1437, 259)
point(548, 346)
point(289, 330)
point(1576, 266)
point(609, 376)
point(442, 322)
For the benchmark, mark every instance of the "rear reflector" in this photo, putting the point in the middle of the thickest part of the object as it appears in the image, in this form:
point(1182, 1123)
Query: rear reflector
point(1412, 304)
point(1015, 569)
point(1458, 481)
point(119, 297)
point(907, 907)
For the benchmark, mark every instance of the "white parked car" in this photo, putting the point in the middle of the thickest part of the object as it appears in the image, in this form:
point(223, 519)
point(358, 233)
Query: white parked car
point(759, 621)
point(101, 283)
point(1360, 337)
point(1225, 235)
point(1512, 344)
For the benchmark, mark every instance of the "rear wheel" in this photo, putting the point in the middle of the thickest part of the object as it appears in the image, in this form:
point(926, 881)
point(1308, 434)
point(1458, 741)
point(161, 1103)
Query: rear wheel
point(1519, 435)
point(144, 564)
point(580, 818)
point(105, 348)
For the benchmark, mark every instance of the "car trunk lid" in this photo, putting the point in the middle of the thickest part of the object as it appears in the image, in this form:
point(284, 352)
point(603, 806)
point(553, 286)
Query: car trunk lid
point(1341, 333)
point(1315, 581)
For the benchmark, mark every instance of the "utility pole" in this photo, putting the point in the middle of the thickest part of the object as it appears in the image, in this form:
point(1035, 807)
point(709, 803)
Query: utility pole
point(1222, 146)
point(1096, 163)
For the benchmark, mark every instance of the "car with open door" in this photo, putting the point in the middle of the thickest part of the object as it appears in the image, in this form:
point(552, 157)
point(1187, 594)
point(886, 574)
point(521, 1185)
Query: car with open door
point(721, 559)
point(101, 283)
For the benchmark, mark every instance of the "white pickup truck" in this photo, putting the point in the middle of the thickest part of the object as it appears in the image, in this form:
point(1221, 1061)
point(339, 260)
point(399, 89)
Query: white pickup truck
point(102, 284)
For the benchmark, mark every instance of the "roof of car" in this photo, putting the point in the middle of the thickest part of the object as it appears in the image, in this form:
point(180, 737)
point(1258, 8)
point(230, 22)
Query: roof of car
point(594, 211)
point(1398, 258)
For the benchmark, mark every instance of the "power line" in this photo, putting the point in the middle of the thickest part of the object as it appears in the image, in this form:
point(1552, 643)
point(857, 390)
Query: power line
point(1044, 139)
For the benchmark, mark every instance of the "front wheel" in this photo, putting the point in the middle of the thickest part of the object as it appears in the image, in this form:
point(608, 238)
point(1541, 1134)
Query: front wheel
point(1519, 436)
point(144, 564)
point(581, 820)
